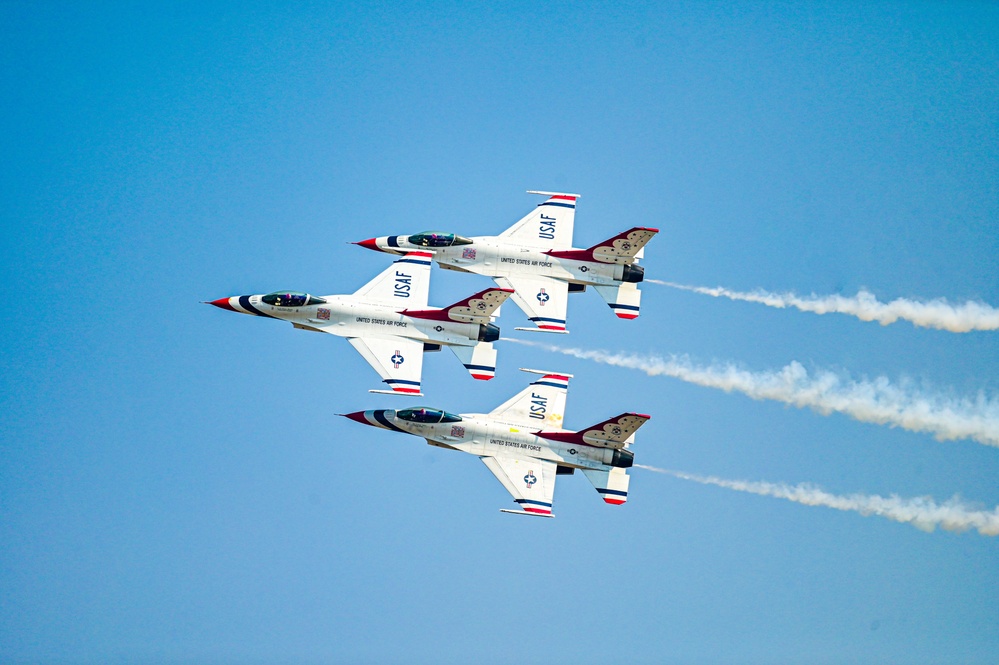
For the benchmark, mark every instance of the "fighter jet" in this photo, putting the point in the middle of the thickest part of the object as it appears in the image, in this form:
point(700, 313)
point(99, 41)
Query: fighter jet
point(387, 320)
point(523, 444)
point(535, 258)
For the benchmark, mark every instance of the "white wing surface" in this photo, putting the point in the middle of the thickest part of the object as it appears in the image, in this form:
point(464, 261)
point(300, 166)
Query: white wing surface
point(549, 224)
point(540, 405)
point(399, 361)
point(530, 481)
point(405, 283)
point(543, 299)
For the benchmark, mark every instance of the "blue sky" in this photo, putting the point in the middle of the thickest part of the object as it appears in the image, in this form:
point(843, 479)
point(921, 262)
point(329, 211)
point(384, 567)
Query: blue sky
point(175, 487)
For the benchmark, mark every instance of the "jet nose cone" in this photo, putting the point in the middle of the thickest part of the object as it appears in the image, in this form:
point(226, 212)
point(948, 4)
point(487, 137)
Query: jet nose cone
point(356, 416)
point(222, 303)
point(370, 243)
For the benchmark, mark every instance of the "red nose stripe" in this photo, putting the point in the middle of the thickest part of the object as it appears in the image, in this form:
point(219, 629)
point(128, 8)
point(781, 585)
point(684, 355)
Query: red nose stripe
point(223, 303)
point(357, 416)
point(369, 243)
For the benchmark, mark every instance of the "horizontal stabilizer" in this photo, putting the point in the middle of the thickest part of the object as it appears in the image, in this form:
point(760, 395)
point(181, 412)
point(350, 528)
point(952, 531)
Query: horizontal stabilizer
point(611, 433)
point(477, 308)
point(622, 249)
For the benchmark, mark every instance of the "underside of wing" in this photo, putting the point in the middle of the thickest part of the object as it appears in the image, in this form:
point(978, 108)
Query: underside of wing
point(541, 404)
point(549, 224)
point(543, 299)
point(399, 361)
point(405, 283)
point(530, 481)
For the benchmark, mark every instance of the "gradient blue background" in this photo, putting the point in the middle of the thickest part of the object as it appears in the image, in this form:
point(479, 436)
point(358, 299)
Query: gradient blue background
point(174, 486)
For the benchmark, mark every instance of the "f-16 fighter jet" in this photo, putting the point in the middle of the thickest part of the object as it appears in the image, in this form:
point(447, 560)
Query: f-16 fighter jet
point(535, 258)
point(387, 320)
point(523, 444)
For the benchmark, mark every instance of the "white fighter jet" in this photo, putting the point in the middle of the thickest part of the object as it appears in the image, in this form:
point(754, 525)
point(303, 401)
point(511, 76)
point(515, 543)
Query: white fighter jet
point(387, 320)
point(535, 258)
point(523, 444)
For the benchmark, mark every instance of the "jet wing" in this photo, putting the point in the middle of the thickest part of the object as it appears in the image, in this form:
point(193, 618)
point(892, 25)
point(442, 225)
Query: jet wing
point(543, 299)
point(399, 361)
point(530, 481)
point(549, 224)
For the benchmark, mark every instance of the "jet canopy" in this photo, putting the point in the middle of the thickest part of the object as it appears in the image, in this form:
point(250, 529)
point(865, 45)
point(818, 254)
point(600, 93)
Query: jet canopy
point(291, 299)
point(438, 239)
point(422, 414)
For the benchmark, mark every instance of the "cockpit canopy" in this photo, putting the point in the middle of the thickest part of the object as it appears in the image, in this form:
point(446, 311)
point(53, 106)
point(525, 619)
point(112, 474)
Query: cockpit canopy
point(291, 299)
point(438, 239)
point(422, 414)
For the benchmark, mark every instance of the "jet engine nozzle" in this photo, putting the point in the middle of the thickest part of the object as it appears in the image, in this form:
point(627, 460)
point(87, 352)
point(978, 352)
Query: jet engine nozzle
point(488, 332)
point(633, 273)
point(623, 458)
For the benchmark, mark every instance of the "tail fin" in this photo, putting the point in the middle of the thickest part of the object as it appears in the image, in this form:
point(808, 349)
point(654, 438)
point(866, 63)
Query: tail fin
point(612, 485)
point(540, 404)
point(614, 432)
point(624, 299)
point(478, 308)
point(406, 282)
point(622, 249)
point(479, 360)
point(549, 224)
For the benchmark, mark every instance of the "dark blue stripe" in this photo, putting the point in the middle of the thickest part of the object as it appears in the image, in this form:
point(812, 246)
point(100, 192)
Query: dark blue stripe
point(543, 318)
point(418, 262)
point(244, 302)
point(410, 383)
point(485, 367)
point(380, 417)
point(560, 205)
point(617, 306)
point(536, 503)
point(617, 492)
point(393, 241)
point(549, 383)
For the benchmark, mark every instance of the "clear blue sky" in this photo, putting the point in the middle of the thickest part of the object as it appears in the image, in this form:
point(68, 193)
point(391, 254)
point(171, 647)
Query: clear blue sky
point(174, 486)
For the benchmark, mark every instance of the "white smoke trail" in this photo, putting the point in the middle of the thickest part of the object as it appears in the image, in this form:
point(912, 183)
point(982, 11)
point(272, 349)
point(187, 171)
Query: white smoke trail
point(921, 512)
point(938, 313)
point(875, 401)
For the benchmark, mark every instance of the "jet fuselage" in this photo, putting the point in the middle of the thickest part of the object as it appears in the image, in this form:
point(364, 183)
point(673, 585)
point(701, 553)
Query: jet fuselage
point(485, 436)
point(495, 256)
point(347, 316)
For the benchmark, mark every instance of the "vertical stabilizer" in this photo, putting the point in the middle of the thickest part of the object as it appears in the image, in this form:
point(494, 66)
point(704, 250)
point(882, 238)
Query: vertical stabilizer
point(612, 485)
point(625, 299)
point(479, 360)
